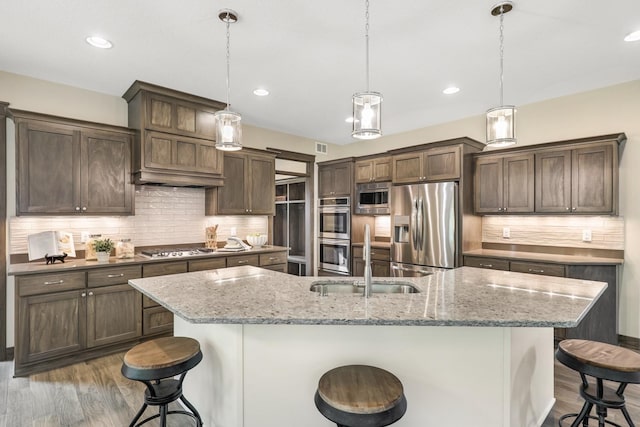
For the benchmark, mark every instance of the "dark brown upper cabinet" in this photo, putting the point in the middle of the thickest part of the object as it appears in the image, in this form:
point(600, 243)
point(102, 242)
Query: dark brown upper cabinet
point(175, 142)
point(504, 184)
point(335, 178)
point(249, 185)
point(373, 170)
point(66, 166)
point(576, 176)
point(576, 181)
point(433, 164)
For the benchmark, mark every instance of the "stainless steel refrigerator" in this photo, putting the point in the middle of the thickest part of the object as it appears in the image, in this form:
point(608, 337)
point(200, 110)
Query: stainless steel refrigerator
point(424, 228)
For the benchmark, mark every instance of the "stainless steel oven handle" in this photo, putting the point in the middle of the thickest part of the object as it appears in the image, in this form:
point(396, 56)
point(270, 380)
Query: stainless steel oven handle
point(420, 223)
point(414, 224)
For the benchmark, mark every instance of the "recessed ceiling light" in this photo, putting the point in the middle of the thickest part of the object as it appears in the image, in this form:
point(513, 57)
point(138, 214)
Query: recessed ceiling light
point(451, 90)
point(97, 41)
point(349, 120)
point(261, 92)
point(632, 37)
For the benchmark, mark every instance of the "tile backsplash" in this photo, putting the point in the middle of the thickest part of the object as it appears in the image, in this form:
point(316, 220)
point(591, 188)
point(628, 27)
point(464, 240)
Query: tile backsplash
point(163, 216)
point(607, 232)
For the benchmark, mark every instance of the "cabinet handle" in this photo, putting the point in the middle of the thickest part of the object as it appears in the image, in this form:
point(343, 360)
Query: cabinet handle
point(568, 208)
point(243, 261)
point(533, 270)
point(111, 276)
point(77, 208)
point(84, 294)
point(573, 208)
point(59, 282)
point(84, 208)
point(504, 209)
point(499, 209)
point(486, 265)
point(90, 294)
point(273, 258)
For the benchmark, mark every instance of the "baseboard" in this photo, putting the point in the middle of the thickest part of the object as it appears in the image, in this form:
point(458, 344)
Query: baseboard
point(629, 342)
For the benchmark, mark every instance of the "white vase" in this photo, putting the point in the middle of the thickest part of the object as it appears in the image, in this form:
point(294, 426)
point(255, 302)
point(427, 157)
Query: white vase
point(103, 256)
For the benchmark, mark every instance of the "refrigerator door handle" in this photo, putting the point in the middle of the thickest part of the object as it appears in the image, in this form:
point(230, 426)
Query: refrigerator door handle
point(420, 223)
point(414, 224)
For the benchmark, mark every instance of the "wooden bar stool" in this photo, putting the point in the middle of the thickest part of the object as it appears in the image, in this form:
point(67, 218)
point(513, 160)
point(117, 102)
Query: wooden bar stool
point(360, 396)
point(603, 362)
point(155, 363)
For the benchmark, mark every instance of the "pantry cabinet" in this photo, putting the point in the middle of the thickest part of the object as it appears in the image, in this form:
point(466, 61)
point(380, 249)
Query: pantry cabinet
point(66, 166)
point(249, 185)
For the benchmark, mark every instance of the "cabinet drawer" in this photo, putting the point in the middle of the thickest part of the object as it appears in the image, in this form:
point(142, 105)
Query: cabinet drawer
point(164, 268)
point(480, 262)
point(274, 258)
point(282, 268)
point(148, 302)
point(538, 268)
point(381, 254)
point(236, 261)
point(207, 264)
point(113, 276)
point(48, 283)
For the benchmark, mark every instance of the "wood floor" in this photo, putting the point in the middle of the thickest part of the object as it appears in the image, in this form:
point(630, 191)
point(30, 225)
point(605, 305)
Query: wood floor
point(94, 393)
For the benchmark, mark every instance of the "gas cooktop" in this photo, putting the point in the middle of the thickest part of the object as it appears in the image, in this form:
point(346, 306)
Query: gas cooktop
point(175, 252)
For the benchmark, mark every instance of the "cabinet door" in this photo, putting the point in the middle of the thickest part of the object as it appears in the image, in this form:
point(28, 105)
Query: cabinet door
point(180, 117)
point(342, 179)
point(106, 173)
point(364, 171)
point(113, 315)
point(407, 168)
point(232, 197)
point(553, 181)
point(442, 163)
point(592, 179)
point(50, 325)
point(488, 188)
point(156, 320)
point(358, 267)
point(262, 192)
point(181, 154)
point(518, 184)
point(380, 268)
point(382, 168)
point(48, 168)
point(325, 181)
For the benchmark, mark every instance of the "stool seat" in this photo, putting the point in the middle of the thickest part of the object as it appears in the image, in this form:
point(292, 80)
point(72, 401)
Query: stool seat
point(155, 363)
point(360, 395)
point(603, 362)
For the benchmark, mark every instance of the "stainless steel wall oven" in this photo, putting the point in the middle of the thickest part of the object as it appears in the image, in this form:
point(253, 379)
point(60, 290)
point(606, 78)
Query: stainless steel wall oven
point(335, 218)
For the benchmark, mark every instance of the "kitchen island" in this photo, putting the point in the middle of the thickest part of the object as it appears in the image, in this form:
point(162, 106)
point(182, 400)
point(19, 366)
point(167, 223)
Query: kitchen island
point(473, 347)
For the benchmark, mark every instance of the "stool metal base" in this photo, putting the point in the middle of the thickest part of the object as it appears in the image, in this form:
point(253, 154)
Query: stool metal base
point(161, 393)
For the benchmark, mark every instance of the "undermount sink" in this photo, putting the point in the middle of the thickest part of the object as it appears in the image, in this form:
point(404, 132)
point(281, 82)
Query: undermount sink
point(326, 287)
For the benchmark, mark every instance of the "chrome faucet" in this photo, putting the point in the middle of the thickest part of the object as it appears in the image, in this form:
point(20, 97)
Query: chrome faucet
point(366, 255)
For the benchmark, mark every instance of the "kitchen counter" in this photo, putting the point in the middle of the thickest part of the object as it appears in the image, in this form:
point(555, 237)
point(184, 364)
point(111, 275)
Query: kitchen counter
point(542, 257)
point(81, 264)
point(460, 297)
point(482, 337)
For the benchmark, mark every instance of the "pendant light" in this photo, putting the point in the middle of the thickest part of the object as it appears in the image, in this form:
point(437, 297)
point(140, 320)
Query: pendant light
point(366, 105)
point(228, 126)
point(501, 121)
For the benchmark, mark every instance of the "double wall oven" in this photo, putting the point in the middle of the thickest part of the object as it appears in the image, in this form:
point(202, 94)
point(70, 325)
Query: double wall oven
point(335, 235)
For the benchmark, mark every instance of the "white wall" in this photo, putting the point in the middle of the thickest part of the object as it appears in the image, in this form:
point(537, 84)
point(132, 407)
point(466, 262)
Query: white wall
point(603, 111)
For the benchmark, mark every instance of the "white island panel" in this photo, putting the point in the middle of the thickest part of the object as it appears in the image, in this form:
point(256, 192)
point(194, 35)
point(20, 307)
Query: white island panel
point(459, 375)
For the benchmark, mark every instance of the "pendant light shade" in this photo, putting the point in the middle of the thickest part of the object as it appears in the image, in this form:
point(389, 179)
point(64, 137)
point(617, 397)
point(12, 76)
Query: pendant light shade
point(501, 121)
point(228, 124)
point(367, 106)
point(366, 115)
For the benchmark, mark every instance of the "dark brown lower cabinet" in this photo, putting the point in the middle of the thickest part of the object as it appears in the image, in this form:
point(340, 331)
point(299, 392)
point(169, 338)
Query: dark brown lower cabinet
point(155, 318)
point(113, 315)
point(50, 326)
point(380, 262)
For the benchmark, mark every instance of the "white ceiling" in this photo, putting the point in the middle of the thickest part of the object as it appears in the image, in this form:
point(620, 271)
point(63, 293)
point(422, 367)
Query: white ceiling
point(310, 54)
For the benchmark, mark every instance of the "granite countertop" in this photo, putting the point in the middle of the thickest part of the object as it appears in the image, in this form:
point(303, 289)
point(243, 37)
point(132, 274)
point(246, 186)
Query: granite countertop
point(542, 257)
point(81, 264)
point(464, 296)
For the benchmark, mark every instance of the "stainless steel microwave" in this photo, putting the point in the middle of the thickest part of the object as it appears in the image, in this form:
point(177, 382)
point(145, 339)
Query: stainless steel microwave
point(372, 198)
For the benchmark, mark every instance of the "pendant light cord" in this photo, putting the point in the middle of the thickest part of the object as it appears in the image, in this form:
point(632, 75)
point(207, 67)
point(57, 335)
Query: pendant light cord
point(228, 21)
point(366, 38)
point(501, 53)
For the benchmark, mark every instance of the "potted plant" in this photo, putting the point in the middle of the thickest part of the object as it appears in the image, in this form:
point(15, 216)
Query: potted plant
point(103, 249)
